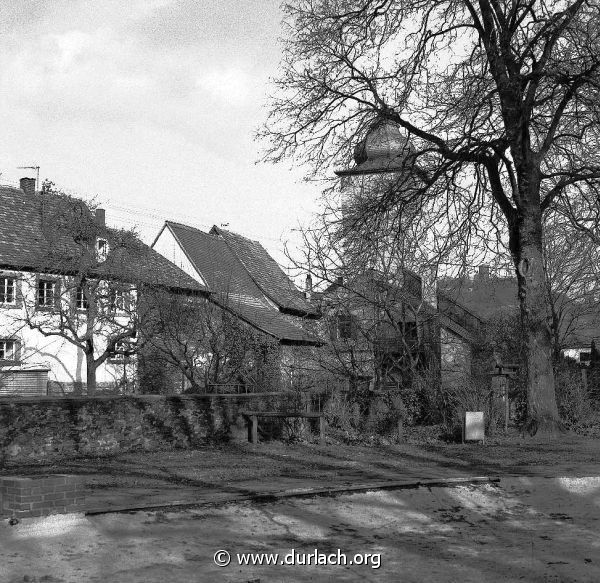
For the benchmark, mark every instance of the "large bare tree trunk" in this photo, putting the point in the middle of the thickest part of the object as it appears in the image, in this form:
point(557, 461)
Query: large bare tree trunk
point(90, 367)
point(526, 246)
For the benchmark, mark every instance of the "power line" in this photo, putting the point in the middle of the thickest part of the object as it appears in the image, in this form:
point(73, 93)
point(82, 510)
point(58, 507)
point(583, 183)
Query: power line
point(151, 213)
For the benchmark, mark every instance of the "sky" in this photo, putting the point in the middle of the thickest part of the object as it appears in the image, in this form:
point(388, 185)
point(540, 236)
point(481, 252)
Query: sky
point(149, 107)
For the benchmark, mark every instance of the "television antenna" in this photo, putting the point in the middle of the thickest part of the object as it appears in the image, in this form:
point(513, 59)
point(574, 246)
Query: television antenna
point(37, 176)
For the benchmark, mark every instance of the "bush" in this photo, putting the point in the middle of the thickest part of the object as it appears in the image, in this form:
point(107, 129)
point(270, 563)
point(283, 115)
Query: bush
point(342, 413)
point(574, 404)
point(475, 394)
point(156, 375)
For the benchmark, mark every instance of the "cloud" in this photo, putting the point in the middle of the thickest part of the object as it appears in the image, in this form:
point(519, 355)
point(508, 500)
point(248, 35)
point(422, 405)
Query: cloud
point(228, 86)
point(70, 45)
point(143, 99)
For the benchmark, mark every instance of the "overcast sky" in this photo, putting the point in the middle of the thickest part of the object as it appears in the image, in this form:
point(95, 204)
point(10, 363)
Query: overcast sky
point(151, 106)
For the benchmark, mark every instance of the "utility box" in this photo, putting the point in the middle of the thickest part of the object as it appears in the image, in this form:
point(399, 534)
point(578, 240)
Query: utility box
point(473, 426)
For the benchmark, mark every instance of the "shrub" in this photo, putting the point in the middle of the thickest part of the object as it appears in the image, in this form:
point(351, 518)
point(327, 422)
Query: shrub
point(574, 404)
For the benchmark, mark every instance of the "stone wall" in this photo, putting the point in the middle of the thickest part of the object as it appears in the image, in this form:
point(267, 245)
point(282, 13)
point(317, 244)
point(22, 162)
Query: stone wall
point(33, 429)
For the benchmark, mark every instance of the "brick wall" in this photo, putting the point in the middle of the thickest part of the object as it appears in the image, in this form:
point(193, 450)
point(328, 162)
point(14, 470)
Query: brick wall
point(41, 495)
point(33, 429)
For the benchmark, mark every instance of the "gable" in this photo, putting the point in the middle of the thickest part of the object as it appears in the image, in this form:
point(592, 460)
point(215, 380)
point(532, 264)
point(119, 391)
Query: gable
point(167, 245)
point(232, 286)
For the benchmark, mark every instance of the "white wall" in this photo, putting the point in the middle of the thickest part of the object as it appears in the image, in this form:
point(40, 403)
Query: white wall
point(168, 247)
point(65, 360)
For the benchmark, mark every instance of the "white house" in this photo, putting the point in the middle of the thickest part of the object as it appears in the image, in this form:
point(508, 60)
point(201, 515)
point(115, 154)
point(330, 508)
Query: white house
point(57, 301)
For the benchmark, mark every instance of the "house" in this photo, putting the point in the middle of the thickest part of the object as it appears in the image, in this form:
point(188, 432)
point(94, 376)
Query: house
point(483, 296)
point(583, 329)
point(383, 334)
point(385, 161)
point(245, 281)
point(69, 283)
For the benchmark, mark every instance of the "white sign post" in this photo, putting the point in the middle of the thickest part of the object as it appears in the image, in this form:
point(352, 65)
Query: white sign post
point(473, 426)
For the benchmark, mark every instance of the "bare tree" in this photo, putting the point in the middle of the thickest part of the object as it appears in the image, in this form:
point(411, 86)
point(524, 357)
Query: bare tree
point(572, 265)
point(206, 343)
point(75, 292)
point(378, 330)
point(500, 103)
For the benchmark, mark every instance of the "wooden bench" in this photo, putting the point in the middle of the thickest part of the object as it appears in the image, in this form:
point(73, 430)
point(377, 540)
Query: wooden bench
point(254, 415)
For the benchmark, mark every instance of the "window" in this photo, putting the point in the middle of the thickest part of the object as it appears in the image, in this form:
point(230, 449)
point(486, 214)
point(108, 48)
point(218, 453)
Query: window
point(120, 299)
point(345, 327)
point(9, 350)
point(7, 290)
point(46, 293)
point(101, 249)
point(81, 301)
point(119, 354)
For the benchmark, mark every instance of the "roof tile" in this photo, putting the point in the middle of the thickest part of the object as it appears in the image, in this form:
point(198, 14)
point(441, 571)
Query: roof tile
point(235, 283)
point(26, 243)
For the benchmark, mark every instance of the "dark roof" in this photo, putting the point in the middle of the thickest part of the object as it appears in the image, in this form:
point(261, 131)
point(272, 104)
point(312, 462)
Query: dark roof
point(451, 315)
point(583, 328)
point(266, 273)
point(30, 241)
point(483, 297)
point(457, 317)
point(233, 284)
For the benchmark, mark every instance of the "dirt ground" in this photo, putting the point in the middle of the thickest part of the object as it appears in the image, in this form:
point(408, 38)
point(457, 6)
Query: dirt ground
point(239, 468)
point(523, 529)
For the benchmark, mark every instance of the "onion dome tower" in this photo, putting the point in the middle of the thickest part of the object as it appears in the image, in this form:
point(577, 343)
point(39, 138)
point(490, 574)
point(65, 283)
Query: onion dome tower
point(384, 149)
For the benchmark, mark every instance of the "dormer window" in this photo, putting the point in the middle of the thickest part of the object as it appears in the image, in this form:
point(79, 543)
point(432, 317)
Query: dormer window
point(101, 249)
point(7, 290)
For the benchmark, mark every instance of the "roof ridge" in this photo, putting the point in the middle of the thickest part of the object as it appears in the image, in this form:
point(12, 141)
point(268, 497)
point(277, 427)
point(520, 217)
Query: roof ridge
point(228, 232)
point(190, 227)
point(24, 246)
point(295, 300)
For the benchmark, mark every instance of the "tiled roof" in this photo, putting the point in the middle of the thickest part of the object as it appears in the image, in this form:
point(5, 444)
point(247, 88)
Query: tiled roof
point(266, 273)
point(409, 293)
point(28, 241)
point(582, 329)
point(234, 286)
point(484, 298)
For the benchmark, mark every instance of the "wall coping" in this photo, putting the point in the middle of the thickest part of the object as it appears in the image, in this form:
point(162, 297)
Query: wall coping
point(18, 400)
point(12, 369)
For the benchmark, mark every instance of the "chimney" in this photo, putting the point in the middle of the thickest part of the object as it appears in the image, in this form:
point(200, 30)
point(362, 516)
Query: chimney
point(308, 287)
point(484, 272)
point(100, 217)
point(27, 185)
